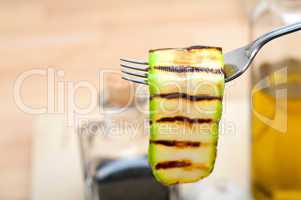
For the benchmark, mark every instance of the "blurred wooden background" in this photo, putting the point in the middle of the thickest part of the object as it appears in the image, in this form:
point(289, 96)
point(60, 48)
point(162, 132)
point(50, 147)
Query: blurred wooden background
point(81, 37)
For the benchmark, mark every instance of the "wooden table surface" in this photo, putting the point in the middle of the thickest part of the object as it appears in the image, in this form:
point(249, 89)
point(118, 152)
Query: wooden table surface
point(81, 37)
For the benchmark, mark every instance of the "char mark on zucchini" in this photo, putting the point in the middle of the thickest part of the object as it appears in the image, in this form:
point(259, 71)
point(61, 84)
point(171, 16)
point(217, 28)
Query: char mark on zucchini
point(186, 164)
point(203, 47)
point(183, 119)
point(176, 95)
point(179, 144)
point(189, 48)
point(173, 164)
point(186, 69)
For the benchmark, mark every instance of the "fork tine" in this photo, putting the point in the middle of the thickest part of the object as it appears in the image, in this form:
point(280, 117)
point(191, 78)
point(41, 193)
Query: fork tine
point(134, 64)
point(135, 67)
point(134, 70)
point(134, 61)
point(135, 79)
point(137, 73)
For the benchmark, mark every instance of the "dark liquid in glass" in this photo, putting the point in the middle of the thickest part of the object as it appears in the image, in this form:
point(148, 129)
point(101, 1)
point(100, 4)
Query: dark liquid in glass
point(128, 179)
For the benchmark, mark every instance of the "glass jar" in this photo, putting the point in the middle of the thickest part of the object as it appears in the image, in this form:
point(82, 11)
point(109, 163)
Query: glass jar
point(276, 104)
point(114, 145)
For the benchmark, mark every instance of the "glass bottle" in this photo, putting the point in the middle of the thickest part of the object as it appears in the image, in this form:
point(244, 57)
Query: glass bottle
point(276, 105)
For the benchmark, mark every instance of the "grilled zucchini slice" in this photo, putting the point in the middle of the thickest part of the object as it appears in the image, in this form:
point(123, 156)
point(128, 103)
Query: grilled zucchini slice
point(186, 88)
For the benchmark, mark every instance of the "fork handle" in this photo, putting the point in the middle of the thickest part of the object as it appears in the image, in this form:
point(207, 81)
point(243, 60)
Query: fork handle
point(256, 45)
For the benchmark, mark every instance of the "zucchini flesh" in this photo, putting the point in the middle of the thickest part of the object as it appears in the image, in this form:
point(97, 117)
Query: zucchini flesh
point(186, 88)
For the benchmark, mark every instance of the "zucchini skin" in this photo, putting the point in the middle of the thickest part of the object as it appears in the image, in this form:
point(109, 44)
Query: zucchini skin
point(186, 87)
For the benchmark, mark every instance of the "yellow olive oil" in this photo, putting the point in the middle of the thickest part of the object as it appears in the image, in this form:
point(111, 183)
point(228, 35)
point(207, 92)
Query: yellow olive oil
point(276, 144)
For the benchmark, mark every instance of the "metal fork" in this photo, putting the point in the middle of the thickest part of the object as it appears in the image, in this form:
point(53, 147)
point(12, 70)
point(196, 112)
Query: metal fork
point(237, 61)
